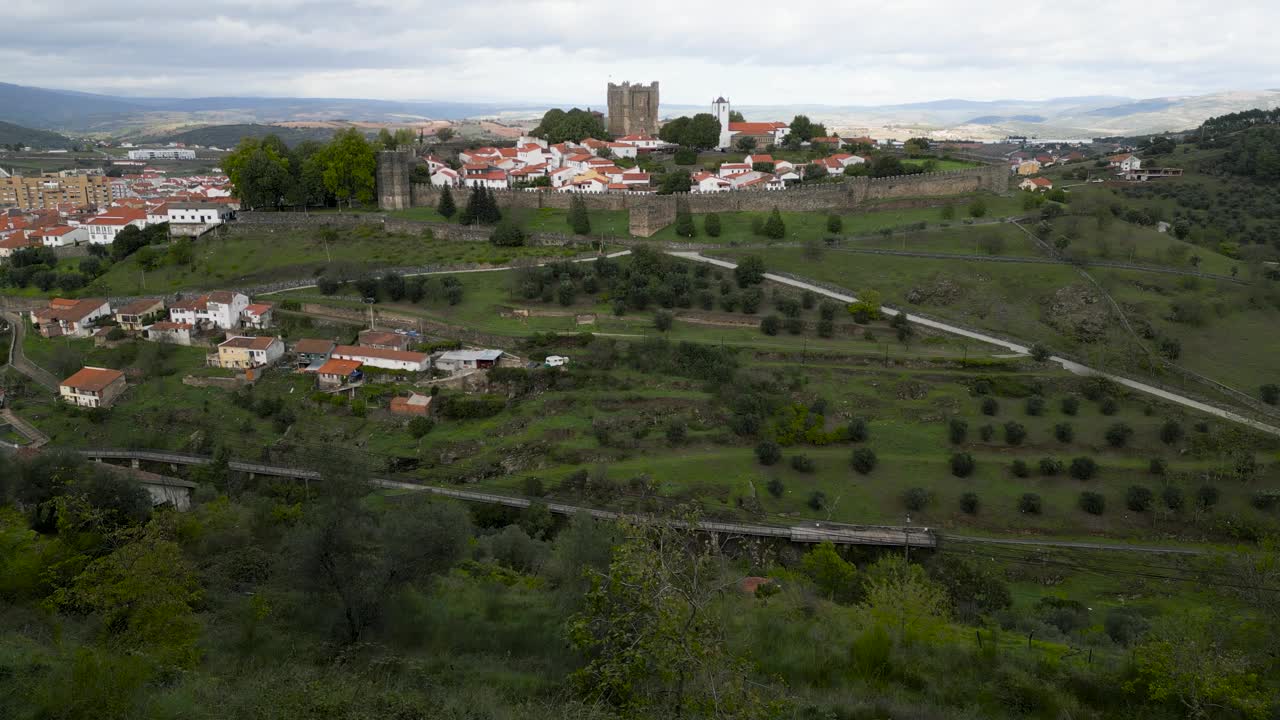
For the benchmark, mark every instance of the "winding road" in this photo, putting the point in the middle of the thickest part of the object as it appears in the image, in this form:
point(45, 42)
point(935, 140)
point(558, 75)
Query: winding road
point(1069, 365)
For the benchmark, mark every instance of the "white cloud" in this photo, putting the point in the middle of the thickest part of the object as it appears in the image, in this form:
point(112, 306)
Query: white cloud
point(756, 52)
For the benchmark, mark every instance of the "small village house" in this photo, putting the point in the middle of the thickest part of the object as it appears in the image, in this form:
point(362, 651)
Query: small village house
point(414, 404)
point(104, 227)
point(336, 373)
point(139, 313)
point(313, 352)
point(69, 318)
point(222, 309)
point(383, 358)
point(456, 361)
point(92, 387)
point(242, 352)
point(168, 332)
point(257, 315)
point(384, 339)
point(1036, 184)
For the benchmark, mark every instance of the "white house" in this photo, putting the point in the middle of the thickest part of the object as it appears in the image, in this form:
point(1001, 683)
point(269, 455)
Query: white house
point(162, 154)
point(641, 142)
point(383, 358)
point(257, 315)
point(221, 309)
point(198, 213)
point(454, 361)
point(60, 235)
point(168, 332)
point(92, 387)
point(104, 227)
point(72, 318)
point(483, 175)
point(1036, 184)
point(446, 176)
point(242, 352)
point(157, 214)
point(728, 169)
point(1125, 162)
point(706, 182)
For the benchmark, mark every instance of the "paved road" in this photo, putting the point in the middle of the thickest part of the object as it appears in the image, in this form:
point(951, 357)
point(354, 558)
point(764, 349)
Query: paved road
point(20, 361)
point(1161, 549)
point(1069, 365)
point(35, 438)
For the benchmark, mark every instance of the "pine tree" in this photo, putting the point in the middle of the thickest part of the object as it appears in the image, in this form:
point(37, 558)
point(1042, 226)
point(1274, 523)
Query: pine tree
point(774, 227)
point(471, 213)
point(579, 219)
point(684, 220)
point(446, 207)
point(489, 213)
point(711, 223)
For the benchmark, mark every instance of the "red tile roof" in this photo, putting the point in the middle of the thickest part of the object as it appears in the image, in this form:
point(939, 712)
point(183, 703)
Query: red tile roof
point(755, 128)
point(381, 353)
point(92, 378)
point(259, 308)
point(339, 367)
point(249, 343)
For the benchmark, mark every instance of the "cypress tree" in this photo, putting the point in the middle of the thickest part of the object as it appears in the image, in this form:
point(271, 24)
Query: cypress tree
point(774, 227)
point(684, 220)
point(579, 219)
point(446, 207)
point(490, 214)
point(711, 223)
point(471, 213)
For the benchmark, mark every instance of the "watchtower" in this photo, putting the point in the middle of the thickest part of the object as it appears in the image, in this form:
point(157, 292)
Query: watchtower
point(633, 109)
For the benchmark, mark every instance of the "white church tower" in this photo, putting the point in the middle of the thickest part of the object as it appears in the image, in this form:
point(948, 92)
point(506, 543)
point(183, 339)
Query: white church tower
point(720, 108)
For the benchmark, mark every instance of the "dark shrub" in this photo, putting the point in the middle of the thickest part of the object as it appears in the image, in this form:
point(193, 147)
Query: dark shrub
point(1138, 498)
point(858, 431)
point(1264, 499)
point(1019, 468)
point(1064, 432)
point(986, 432)
point(1035, 405)
point(1092, 502)
point(864, 460)
point(817, 500)
point(802, 463)
point(775, 487)
point(962, 464)
point(969, 503)
point(1030, 504)
point(1125, 626)
point(990, 406)
point(1050, 466)
point(1171, 432)
point(916, 498)
point(1118, 435)
point(958, 429)
point(1070, 405)
point(1157, 466)
point(1014, 433)
point(1109, 406)
point(1206, 497)
point(768, 452)
point(1083, 468)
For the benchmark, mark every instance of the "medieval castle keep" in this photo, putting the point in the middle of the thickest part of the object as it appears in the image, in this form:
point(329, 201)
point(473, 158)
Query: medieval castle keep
point(633, 109)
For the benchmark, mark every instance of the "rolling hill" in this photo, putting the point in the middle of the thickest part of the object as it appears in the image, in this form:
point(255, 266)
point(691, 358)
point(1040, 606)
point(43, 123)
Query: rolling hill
point(226, 136)
point(11, 134)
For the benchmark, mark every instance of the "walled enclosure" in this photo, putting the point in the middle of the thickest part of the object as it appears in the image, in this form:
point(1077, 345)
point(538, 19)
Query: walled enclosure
point(651, 213)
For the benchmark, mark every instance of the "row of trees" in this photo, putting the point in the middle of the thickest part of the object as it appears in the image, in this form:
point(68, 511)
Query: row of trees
point(268, 174)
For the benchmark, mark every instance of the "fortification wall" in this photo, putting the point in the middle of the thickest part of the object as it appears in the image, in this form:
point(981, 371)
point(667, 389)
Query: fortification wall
point(650, 213)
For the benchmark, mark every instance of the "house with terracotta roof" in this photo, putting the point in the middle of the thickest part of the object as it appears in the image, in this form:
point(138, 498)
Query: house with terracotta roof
point(241, 352)
point(1036, 184)
point(829, 140)
point(60, 235)
point(484, 175)
point(383, 358)
point(222, 309)
point(383, 339)
point(336, 374)
point(641, 141)
point(727, 169)
point(257, 315)
point(15, 241)
point(446, 176)
point(1125, 162)
point(764, 133)
point(168, 332)
point(69, 318)
point(562, 176)
point(104, 226)
point(139, 313)
point(92, 387)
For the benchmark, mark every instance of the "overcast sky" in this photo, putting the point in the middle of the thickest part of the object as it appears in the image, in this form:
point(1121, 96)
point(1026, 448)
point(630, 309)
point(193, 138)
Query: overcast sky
point(756, 52)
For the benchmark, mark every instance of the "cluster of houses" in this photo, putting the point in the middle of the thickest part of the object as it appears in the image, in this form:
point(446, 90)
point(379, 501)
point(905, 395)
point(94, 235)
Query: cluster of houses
point(335, 366)
point(763, 172)
point(587, 166)
point(55, 228)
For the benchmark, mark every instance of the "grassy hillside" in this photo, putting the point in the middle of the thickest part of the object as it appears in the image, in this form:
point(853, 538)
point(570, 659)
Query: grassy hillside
point(11, 134)
point(226, 136)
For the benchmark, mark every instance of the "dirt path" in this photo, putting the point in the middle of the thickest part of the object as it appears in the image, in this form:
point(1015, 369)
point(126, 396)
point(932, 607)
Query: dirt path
point(19, 361)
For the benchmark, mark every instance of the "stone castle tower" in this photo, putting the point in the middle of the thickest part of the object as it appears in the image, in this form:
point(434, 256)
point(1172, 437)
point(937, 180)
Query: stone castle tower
point(633, 109)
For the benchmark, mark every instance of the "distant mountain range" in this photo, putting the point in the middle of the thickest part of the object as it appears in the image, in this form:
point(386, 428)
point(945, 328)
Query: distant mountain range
point(1068, 117)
